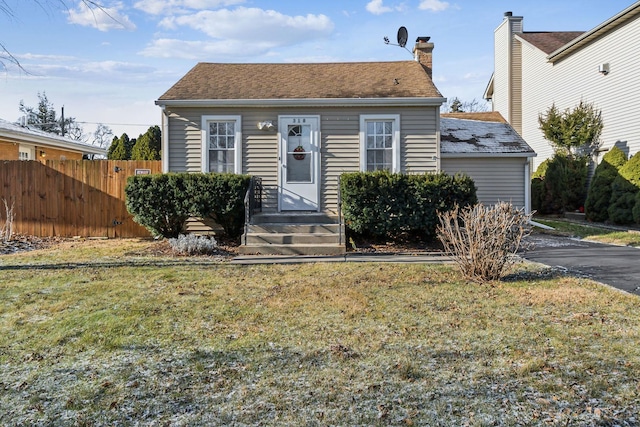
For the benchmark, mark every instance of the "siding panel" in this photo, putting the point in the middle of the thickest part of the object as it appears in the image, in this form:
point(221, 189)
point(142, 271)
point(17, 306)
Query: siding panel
point(496, 179)
point(576, 78)
point(339, 143)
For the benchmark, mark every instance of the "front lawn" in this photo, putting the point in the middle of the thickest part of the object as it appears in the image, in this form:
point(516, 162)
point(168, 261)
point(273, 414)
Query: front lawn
point(108, 335)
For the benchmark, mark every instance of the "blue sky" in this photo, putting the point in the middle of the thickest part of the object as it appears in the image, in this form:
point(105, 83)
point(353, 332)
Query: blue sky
point(110, 67)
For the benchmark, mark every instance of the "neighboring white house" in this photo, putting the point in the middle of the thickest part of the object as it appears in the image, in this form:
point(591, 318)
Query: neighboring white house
point(534, 70)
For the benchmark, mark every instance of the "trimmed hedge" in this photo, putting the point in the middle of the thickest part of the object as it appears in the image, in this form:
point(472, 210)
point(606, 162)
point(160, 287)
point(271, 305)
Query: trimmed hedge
point(158, 202)
point(163, 202)
point(383, 204)
point(599, 195)
point(219, 196)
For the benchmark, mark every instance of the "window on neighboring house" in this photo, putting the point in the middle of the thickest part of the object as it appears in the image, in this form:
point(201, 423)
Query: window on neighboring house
point(24, 153)
point(379, 142)
point(221, 144)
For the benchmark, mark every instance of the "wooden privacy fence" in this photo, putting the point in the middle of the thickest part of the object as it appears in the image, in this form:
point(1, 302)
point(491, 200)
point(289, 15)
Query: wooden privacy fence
point(70, 198)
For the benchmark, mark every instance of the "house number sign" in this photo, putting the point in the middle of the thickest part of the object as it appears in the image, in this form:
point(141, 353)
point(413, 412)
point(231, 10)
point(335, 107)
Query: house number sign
point(299, 120)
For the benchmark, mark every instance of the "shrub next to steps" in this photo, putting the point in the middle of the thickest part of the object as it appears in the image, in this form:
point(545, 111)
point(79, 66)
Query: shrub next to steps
point(163, 202)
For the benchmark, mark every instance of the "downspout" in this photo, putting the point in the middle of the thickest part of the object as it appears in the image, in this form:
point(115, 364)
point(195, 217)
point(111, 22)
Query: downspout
point(165, 140)
point(438, 154)
point(527, 187)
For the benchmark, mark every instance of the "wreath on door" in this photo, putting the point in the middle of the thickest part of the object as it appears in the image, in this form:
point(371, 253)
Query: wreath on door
point(299, 149)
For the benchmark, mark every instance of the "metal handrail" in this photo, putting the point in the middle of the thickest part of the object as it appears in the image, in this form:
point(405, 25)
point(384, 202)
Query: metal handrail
point(252, 202)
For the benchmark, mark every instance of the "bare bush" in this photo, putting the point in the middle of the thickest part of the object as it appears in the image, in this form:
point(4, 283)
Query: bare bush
point(191, 244)
point(6, 225)
point(483, 240)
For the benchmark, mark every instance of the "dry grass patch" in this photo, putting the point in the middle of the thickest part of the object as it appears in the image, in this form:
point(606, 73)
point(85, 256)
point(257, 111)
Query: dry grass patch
point(310, 344)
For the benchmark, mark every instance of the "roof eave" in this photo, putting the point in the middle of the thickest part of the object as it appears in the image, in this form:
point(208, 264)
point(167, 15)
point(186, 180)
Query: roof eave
point(485, 154)
point(50, 142)
point(305, 102)
point(585, 38)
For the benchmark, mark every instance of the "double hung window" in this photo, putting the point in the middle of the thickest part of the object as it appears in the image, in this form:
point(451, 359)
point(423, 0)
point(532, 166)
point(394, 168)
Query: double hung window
point(221, 146)
point(379, 143)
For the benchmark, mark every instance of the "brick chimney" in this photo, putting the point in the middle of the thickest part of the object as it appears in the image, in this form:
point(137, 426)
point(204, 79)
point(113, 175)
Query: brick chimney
point(423, 53)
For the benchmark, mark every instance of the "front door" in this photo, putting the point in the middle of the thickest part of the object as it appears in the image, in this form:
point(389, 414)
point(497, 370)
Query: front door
point(299, 163)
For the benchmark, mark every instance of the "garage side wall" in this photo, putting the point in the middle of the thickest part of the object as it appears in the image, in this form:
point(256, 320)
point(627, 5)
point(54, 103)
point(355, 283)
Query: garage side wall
point(496, 179)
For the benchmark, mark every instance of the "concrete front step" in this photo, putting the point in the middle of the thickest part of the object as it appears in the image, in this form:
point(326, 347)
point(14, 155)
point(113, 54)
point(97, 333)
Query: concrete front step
point(294, 218)
point(300, 233)
point(273, 227)
point(292, 238)
point(300, 249)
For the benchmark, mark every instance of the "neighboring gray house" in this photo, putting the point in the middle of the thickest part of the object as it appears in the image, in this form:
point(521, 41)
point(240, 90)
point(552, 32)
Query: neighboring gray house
point(298, 127)
point(489, 150)
point(534, 70)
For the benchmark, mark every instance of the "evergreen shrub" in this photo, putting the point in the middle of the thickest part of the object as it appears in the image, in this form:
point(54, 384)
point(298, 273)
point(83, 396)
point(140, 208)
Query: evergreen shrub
point(219, 196)
point(163, 202)
point(563, 188)
point(537, 187)
point(385, 204)
point(599, 195)
point(158, 202)
point(623, 191)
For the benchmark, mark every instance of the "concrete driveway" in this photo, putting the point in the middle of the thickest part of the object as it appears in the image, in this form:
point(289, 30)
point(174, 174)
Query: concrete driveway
point(618, 266)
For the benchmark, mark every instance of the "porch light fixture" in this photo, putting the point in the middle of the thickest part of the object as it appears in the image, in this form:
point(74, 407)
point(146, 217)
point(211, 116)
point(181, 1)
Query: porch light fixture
point(43, 154)
point(266, 126)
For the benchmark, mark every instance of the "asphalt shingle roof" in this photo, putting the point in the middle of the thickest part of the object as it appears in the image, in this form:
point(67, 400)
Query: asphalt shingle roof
point(550, 41)
point(466, 136)
point(208, 81)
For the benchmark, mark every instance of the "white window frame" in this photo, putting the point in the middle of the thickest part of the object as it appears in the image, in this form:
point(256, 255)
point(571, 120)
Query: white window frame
point(29, 151)
point(237, 155)
point(395, 144)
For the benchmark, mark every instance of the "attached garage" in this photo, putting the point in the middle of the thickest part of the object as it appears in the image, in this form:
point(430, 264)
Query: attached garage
point(489, 150)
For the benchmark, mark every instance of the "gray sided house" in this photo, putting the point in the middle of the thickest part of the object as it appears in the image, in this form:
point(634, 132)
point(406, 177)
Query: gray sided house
point(298, 127)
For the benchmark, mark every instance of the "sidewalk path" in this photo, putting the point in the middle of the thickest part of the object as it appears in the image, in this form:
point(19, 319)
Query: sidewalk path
point(421, 257)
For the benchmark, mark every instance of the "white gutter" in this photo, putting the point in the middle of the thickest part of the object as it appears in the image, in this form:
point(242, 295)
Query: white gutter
point(483, 155)
point(305, 102)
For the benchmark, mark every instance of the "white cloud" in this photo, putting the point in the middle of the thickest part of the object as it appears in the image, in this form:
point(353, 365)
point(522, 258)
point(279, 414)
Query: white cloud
point(201, 50)
point(377, 8)
point(165, 7)
point(40, 57)
point(434, 5)
point(254, 25)
point(70, 67)
point(102, 18)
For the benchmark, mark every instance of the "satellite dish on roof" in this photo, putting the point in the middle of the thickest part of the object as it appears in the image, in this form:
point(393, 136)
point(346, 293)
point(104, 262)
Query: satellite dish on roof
point(403, 36)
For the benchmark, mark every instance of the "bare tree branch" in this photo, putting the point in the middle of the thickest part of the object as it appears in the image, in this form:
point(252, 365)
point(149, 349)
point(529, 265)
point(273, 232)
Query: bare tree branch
point(6, 57)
